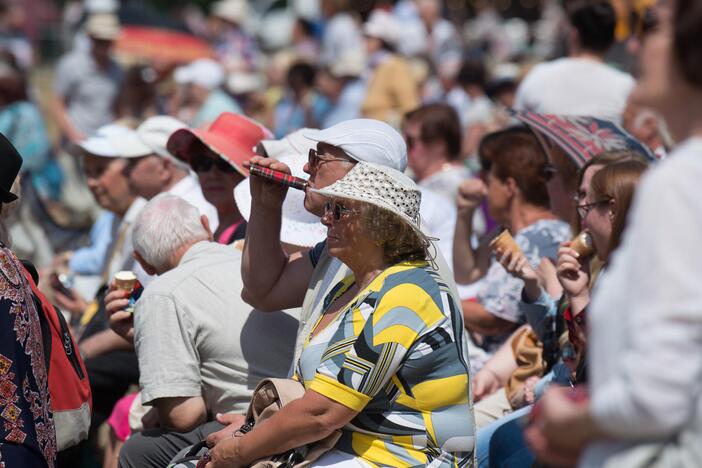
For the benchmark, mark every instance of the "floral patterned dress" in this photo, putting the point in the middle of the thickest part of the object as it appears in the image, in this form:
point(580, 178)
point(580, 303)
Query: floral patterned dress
point(27, 433)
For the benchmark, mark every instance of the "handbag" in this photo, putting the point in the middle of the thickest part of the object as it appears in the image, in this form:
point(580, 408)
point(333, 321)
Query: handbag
point(268, 398)
point(528, 353)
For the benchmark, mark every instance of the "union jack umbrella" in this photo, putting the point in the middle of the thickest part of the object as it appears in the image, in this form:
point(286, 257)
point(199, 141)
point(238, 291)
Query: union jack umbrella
point(582, 137)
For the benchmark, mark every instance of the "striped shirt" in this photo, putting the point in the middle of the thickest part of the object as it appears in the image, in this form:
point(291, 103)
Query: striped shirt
point(394, 354)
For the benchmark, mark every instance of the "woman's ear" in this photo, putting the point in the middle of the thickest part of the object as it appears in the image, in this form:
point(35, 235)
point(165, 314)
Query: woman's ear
point(511, 185)
point(612, 210)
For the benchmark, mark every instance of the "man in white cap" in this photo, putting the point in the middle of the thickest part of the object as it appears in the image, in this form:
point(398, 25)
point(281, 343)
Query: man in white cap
point(87, 82)
point(151, 169)
point(236, 48)
point(203, 80)
point(392, 89)
point(111, 365)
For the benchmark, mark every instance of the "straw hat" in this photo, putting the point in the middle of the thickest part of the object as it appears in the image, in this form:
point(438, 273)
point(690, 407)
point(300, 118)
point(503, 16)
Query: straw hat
point(380, 186)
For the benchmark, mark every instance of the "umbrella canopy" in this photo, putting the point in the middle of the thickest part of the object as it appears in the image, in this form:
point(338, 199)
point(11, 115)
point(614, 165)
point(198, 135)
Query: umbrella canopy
point(160, 44)
point(582, 137)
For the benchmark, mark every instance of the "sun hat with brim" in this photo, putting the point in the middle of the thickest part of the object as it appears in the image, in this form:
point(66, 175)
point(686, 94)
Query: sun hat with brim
point(11, 165)
point(582, 137)
point(383, 187)
point(103, 26)
point(366, 140)
point(298, 226)
point(232, 137)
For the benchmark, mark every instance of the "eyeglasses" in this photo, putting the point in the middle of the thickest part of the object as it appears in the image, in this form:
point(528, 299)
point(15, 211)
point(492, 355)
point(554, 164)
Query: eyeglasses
point(205, 163)
point(337, 210)
point(585, 208)
point(315, 160)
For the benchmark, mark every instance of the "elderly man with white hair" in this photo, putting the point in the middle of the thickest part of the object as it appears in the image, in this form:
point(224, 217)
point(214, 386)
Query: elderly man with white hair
point(201, 349)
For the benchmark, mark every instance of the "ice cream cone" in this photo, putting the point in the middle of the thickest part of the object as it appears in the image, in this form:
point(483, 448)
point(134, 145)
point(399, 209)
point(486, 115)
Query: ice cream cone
point(505, 243)
point(582, 244)
point(125, 280)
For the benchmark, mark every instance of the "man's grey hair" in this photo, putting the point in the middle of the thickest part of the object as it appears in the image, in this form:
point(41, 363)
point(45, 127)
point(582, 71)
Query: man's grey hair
point(165, 224)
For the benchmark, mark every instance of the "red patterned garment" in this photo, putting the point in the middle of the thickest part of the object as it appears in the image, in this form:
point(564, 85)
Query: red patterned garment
point(27, 433)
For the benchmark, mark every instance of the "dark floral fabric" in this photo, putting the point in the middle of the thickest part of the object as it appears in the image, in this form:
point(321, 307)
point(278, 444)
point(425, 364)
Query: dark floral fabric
point(27, 433)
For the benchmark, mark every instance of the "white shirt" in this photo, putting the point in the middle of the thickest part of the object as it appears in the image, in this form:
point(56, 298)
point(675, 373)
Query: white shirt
point(646, 317)
point(574, 86)
point(188, 188)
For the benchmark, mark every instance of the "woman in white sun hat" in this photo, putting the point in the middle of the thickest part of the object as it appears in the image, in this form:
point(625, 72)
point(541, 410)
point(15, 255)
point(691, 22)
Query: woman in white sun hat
point(388, 368)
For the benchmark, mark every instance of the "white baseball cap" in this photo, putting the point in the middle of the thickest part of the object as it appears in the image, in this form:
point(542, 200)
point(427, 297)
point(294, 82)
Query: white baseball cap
point(100, 143)
point(149, 138)
point(204, 72)
point(366, 140)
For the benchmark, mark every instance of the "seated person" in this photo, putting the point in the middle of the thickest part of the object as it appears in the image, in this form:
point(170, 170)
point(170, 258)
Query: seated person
point(517, 197)
point(201, 349)
point(389, 367)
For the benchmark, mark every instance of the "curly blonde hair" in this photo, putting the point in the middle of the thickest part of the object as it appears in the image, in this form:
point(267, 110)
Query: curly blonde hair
point(400, 242)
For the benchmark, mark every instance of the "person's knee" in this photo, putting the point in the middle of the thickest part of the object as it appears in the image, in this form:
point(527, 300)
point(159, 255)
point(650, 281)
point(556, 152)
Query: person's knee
point(137, 452)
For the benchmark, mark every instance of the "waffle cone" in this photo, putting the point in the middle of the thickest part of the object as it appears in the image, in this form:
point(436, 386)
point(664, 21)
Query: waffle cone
point(582, 244)
point(505, 243)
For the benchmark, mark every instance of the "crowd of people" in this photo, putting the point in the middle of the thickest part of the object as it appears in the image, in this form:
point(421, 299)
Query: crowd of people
point(392, 242)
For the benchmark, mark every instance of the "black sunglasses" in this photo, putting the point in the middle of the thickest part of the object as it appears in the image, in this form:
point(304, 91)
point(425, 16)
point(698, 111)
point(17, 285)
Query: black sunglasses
point(337, 210)
point(205, 163)
point(315, 160)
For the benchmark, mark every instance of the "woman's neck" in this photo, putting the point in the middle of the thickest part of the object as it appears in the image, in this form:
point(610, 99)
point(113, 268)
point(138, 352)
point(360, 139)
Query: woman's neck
point(523, 215)
point(366, 268)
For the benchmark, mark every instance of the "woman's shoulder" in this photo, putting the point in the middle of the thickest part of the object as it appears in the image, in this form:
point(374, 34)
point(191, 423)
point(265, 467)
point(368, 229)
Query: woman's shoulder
point(414, 274)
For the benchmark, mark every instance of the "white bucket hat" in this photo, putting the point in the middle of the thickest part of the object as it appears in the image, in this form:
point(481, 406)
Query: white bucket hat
point(298, 226)
point(383, 187)
point(366, 140)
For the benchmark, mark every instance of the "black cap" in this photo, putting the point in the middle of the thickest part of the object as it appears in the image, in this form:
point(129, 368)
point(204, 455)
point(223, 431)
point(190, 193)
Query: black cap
point(10, 164)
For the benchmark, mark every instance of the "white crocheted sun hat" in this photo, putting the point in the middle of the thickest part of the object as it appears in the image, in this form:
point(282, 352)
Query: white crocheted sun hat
point(383, 187)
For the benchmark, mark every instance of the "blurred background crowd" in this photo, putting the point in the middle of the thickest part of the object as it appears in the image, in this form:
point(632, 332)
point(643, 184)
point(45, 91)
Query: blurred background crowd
point(288, 65)
point(111, 103)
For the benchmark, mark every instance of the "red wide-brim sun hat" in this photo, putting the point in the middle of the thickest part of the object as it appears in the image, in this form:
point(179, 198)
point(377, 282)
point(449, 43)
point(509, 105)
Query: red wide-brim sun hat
point(231, 136)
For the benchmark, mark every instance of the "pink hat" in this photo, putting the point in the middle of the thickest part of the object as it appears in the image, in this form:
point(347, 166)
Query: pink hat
point(233, 137)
